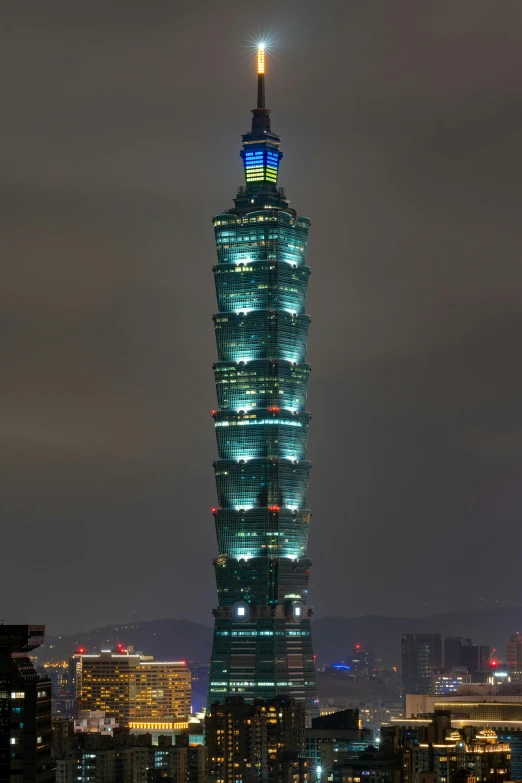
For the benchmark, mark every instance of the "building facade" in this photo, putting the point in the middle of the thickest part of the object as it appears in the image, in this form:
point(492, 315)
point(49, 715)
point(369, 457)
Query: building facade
point(131, 759)
point(362, 662)
point(421, 655)
point(514, 652)
point(332, 734)
point(262, 639)
point(131, 687)
point(25, 708)
point(445, 747)
point(262, 741)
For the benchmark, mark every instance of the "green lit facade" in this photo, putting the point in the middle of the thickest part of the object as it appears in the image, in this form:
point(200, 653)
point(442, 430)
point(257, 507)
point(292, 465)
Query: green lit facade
point(262, 640)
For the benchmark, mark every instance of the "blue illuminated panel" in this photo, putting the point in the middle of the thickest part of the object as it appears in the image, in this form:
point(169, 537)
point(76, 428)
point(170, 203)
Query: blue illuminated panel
point(261, 165)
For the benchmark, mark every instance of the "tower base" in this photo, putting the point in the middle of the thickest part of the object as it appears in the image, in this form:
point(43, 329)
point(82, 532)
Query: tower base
point(263, 658)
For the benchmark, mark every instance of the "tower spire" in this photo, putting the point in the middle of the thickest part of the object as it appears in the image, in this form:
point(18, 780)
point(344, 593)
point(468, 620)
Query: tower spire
point(261, 76)
point(261, 153)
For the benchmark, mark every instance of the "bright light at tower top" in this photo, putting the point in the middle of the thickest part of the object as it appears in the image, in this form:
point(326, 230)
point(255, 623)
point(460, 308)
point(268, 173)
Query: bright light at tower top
point(261, 58)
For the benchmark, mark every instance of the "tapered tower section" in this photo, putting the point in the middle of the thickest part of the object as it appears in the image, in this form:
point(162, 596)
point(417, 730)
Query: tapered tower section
point(262, 640)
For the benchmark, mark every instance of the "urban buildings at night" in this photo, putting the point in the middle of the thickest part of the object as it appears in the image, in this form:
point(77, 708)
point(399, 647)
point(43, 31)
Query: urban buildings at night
point(434, 663)
point(132, 687)
point(130, 758)
point(258, 741)
point(262, 643)
point(25, 708)
point(437, 747)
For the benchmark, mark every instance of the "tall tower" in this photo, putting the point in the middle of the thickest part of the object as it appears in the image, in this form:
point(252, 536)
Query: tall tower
point(262, 640)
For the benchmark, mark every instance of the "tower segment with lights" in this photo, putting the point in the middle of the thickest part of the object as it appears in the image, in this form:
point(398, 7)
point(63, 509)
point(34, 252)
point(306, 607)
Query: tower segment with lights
point(262, 639)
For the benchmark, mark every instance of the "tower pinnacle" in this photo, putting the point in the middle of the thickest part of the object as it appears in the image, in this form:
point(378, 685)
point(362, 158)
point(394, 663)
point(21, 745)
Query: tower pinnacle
point(261, 153)
point(261, 76)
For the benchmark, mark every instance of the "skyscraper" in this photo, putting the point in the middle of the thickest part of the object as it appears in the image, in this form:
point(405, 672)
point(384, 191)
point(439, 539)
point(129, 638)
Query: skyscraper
point(25, 708)
point(421, 655)
point(514, 652)
point(262, 641)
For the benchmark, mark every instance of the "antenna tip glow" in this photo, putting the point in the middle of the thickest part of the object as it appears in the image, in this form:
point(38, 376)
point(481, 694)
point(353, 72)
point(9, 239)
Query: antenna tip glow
point(261, 58)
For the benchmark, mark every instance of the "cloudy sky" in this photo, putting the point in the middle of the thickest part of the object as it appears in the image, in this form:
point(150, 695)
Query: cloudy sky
point(120, 136)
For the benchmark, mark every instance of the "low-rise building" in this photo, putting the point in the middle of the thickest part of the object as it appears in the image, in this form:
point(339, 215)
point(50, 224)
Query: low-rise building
point(94, 722)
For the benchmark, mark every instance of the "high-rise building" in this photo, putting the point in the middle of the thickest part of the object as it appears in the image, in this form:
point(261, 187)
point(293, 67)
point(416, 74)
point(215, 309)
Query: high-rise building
point(514, 652)
point(262, 640)
point(258, 741)
point(362, 662)
point(475, 657)
point(453, 646)
point(25, 708)
point(130, 687)
point(460, 651)
point(421, 655)
point(74, 673)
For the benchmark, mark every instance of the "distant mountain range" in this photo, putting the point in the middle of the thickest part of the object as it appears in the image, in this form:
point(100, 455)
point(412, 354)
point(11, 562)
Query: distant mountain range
point(333, 637)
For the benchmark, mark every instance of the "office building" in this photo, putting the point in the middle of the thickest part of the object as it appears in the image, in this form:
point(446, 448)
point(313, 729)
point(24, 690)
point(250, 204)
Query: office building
point(452, 650)
point(130, 687)
point(332, 734)
point(25, 708)
point(475, 658)
point(74, 673)
point(448, 683)
point(421, 655)
point(514, 652)
point(262, 643)
point(259, 741)
point(433, 663)
point(362, 662)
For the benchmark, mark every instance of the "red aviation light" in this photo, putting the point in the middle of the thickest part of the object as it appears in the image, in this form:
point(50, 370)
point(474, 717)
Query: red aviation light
point(274, 409)
point(273, 508)
point(81, 650)
point(214, 413)
point(214, 510)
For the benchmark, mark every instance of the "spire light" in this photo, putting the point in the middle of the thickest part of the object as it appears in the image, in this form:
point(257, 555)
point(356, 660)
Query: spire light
point(261, 58)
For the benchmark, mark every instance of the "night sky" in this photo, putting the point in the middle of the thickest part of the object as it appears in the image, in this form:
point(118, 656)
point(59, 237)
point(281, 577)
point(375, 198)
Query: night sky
point(401, 127)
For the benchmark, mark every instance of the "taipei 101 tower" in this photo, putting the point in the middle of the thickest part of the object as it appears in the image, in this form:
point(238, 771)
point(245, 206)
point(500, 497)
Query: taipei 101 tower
point(262, 640)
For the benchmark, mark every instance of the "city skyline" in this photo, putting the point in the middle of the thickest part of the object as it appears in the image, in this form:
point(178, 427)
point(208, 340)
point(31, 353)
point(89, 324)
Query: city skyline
point(405, 152)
